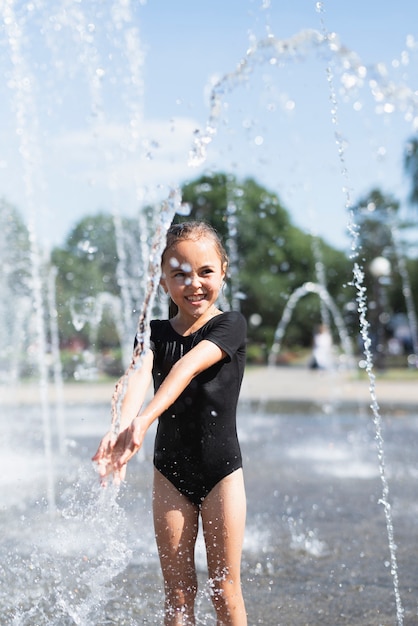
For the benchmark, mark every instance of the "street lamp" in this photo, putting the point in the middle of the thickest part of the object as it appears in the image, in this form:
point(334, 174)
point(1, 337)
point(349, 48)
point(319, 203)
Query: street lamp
point(380, 268)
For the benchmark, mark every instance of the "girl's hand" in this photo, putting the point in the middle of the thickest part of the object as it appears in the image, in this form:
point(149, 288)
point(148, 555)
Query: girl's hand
point(114, 452)
point(103, 455)
point(104, 458)
point(128, 443)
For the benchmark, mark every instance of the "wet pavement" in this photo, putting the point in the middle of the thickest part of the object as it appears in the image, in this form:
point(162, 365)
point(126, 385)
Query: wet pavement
point(316, 548)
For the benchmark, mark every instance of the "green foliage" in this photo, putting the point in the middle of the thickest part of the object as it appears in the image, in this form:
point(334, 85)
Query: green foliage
point(375, 214)
point(396, 289)
point(274, 256)
point(88, 266)
point(411, 167)
point(15, 252)
point(88, 260)
point(269, 258)
point(15, 287)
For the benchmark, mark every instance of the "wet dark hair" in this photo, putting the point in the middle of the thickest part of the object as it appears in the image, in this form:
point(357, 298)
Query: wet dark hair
point(192, 230)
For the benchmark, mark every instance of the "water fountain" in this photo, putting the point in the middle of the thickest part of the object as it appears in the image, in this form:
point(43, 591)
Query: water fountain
point(303, 290)
point(49, 578)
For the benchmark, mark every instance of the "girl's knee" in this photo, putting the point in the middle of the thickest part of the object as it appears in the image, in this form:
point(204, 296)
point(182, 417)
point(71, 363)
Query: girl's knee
point(226, 594)
point(180, 597)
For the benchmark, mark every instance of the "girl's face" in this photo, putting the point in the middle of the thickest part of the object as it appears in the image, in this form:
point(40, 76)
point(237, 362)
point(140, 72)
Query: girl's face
point(192, 275)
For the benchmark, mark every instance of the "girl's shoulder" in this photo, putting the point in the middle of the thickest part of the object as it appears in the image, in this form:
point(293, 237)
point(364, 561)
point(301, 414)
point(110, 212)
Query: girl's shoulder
point(230, 317)
point(229, 331)
point(234, 315)
point(229, 323)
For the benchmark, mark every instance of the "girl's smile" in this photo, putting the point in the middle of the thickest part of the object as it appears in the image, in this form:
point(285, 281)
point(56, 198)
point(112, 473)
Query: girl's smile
point(193, 276)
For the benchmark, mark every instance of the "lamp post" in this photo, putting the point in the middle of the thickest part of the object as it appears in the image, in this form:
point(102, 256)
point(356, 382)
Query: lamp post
point(380, 268)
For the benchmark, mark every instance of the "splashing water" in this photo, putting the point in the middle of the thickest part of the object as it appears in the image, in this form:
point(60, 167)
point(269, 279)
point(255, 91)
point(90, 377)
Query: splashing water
point(72, 588)
point(167, 213)
point(277, 52)
point(358, 282)
point(382, 90)
point(325, 297)
point(305, 540)
point(26, 124)
point(81, 593)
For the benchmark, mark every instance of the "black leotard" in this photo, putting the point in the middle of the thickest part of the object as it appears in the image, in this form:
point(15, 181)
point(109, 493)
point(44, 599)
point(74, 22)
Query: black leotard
point(196, 444)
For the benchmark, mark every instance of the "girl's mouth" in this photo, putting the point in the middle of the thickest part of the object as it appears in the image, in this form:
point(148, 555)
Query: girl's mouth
point(198, 298)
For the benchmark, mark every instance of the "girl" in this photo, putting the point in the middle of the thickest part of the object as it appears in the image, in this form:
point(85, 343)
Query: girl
point(197, 360)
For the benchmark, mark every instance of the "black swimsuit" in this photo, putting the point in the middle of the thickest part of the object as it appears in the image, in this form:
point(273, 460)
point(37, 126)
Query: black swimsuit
point(196, 444)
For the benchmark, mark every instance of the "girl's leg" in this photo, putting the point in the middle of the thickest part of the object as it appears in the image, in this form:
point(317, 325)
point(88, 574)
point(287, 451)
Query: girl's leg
point(176, 527)
point(223, 516)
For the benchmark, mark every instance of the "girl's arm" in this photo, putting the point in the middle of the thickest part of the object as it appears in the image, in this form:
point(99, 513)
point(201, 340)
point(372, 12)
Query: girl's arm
point(137, 382)
point(200, 358)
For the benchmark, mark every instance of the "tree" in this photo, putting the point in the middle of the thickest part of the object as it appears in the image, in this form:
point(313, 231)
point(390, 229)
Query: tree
point(274, 256)
point(375, 215)
point(269, 258)
point(378, 221)
point(15, 285)
point(14, 250)
point(411, 168)
point(90, 279)
point(388, 295)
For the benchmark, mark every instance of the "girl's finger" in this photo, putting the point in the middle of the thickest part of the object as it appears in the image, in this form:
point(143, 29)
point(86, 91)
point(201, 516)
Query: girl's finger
point(126, 456)
point(98, 454)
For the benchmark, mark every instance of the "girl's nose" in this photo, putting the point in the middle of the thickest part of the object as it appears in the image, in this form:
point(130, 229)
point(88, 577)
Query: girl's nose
point(193, 280)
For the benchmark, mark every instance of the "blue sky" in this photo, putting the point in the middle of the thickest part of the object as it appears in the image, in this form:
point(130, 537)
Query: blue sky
point(110, 96)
